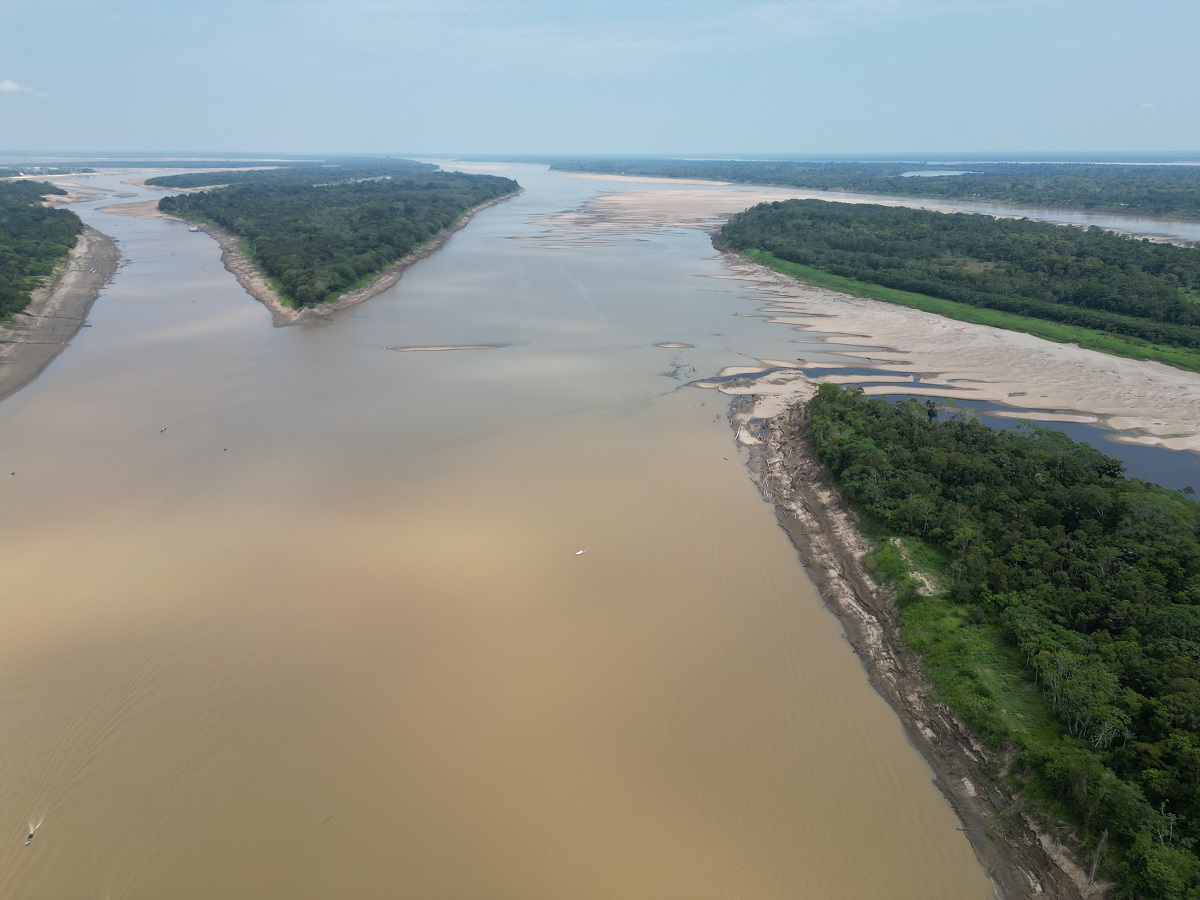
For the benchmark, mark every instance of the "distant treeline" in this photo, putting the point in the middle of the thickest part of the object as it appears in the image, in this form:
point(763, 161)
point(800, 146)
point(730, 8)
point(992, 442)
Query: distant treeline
point(17, 171)
point(305, 173)
point(1147, 189)
point(1058, 573)
point(319, 232)
point(1084, 277)
point(33, 240)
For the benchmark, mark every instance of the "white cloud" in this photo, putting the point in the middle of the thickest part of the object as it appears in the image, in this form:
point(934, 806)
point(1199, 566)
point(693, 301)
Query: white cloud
point(11, 87)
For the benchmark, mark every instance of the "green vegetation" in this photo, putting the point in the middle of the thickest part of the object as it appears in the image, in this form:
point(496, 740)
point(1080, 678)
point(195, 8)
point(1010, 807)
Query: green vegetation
point(18, 171)
point(299, 173)
point(319, 232)
point(1067, 629)
point(1154, 190)
point(33, 240)
point(1117, 345)
point(1106, 291)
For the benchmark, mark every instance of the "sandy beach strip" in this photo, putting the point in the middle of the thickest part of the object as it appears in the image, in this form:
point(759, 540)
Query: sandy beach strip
point(442, 348)
point(56, 311)
point(258, 286)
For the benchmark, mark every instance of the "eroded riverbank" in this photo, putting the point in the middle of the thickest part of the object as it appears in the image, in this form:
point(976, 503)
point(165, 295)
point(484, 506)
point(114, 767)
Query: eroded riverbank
point(1021, 861)
point(56, 311)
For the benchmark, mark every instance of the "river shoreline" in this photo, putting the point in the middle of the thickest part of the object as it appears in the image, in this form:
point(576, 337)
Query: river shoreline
point(56, 311)
point(256, 283)
point(1020, 860)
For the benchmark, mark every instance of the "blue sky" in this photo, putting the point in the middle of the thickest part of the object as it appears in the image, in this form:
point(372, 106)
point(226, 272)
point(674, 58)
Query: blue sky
point(651, 76)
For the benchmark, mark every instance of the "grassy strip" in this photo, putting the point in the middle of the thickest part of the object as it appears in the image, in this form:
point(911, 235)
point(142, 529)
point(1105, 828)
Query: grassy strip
point(975, 670)
point(1115, 345)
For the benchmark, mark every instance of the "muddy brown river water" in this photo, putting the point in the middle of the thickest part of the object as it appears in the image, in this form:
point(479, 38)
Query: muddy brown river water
point(289, 615)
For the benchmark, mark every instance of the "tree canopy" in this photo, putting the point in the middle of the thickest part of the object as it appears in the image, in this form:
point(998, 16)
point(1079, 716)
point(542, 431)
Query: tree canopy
point(33, 240)
point(1144, 189)
point(319, 232)
point(1090, 278)
point(1092, 579)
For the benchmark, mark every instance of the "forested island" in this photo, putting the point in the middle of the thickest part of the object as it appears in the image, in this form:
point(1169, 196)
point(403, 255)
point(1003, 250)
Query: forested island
point(1056, 605)
point(33, 240)
point(1102, 290)
point(1145, 189)
point(321, 231)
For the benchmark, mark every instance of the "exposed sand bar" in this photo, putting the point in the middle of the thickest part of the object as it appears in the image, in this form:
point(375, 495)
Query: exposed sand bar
point(56, 311)
point(256, 283)
point(143, 209)
point(1058, 382)
point(439, 348)
point(1159, 405)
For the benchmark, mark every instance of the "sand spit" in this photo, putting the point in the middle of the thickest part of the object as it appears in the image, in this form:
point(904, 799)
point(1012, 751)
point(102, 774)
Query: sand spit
point(443, 347)
point(1021, 861)
point(143, 209)
point(638, 179)
point(56, 311)
point(258, 286)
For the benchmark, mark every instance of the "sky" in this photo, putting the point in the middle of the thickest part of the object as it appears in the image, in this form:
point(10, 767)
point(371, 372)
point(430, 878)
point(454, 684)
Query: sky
point(682, 77)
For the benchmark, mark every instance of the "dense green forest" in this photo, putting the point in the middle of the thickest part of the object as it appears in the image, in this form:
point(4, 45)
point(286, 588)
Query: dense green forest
point(33, 240)
point(1090, 278)
point(318, 237)
point(1146, 189)
point(306, 173)
point(1057, 572)
point(17, 171)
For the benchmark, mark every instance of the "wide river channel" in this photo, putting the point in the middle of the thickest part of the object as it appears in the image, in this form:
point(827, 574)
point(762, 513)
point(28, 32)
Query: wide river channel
point(289, 613)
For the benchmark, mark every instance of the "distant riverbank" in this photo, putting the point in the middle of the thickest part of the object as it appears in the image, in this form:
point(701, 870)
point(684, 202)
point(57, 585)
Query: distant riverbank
point(56, 311)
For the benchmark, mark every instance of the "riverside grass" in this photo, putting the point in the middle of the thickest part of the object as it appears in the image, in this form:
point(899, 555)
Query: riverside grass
point(974, 671)
point(1115, 345)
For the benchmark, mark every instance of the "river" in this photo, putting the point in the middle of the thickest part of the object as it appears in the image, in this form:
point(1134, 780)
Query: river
point(290, 614)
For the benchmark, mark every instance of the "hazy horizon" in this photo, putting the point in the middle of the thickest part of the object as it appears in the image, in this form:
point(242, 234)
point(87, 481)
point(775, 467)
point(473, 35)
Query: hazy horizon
point(795, 78)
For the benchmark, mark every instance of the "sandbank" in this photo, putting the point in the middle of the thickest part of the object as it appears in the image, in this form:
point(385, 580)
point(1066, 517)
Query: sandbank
point(441, 348)
point(56, 311)
point(638, 179)
point(143, 209)
point(1156, 404)
point(912, 352)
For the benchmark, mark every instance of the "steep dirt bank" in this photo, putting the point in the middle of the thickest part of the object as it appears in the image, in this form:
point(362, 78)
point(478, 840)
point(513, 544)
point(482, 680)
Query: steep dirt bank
point(1021, 862)
point(56, 311)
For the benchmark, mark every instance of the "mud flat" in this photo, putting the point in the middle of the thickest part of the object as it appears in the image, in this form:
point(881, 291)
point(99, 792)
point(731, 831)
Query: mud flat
point(56, 311)
point(256, 283)
point(1021, 861)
